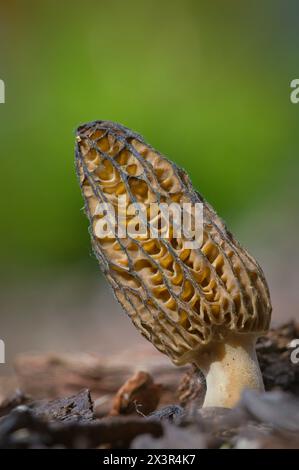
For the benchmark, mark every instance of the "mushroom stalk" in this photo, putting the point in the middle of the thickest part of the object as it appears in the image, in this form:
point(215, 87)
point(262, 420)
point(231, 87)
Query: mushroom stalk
point(230, 367)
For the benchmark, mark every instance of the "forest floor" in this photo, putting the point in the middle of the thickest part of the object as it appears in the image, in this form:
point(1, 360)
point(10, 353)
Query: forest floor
point(92, 401)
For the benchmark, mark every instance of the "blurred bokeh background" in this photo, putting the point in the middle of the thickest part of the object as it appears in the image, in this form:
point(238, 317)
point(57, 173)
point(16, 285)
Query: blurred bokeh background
point(207, 83)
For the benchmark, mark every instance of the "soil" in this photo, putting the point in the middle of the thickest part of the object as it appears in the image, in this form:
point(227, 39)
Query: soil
point(87, 401)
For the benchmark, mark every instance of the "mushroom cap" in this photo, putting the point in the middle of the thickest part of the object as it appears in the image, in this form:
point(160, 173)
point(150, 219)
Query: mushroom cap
point(180, 299)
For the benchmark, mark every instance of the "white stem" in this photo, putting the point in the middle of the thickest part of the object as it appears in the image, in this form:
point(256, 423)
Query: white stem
point(229, 368)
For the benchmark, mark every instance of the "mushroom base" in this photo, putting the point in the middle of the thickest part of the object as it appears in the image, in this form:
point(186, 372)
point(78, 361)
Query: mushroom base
point(229, 368)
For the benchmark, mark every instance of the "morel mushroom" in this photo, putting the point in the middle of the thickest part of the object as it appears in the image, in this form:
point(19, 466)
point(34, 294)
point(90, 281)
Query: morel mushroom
point(204, 305)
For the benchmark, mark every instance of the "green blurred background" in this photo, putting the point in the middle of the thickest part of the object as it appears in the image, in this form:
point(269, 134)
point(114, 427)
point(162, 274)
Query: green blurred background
point(206, 83)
